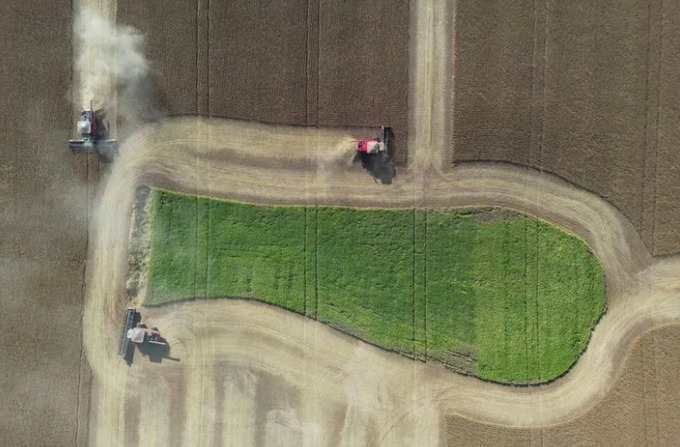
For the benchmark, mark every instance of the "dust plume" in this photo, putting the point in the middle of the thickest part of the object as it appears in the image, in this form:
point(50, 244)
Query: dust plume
point(109, 55)
point(111, 68)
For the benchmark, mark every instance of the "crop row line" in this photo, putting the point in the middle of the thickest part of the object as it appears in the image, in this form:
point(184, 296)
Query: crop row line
point(413, 286)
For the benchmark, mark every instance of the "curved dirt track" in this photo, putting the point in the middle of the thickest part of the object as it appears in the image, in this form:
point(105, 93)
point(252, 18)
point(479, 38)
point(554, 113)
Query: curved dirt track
point(254, 162)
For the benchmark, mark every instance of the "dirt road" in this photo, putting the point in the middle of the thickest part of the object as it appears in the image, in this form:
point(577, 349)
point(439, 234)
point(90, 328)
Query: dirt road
point(322, 367)
point(253, 375)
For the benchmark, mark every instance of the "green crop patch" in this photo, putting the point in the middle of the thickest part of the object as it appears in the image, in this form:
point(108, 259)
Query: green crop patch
point(205, 248)
point(489, 292)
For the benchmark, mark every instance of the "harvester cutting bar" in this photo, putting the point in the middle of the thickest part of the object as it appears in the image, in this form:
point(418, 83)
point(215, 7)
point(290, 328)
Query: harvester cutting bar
point(106, 149)
point(81, 145)
point(90, 146)
point(388, 137)
point(130, 315)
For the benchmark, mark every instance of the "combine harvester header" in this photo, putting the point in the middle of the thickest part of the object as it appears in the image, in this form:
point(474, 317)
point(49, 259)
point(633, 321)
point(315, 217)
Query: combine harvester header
point(130, 320)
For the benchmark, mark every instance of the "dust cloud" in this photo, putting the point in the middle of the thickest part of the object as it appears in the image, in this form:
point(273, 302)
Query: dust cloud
point(113, 71)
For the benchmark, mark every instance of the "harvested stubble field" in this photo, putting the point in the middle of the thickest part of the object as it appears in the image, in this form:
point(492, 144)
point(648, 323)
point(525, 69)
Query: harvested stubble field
point(357, 394)
point(475, 289)
point(582, 89)
point(296, 62)
point(43, 233)
point(641, 409)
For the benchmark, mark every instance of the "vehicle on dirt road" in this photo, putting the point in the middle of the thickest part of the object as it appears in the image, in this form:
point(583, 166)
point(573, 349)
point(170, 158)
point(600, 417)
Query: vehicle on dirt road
point(375, 153)
point(94, 137)
point(136, 333)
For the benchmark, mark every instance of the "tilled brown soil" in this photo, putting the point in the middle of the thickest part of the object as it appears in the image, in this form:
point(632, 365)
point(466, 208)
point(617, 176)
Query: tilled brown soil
point(172, 46)
point(257, 59)
point(363, 65)
point(301, 62)
point(641, 409)
point(581, 89)
point(43, 232)
point(666, 191)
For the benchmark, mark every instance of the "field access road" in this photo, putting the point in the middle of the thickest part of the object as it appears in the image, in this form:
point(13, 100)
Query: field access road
point(327, 370)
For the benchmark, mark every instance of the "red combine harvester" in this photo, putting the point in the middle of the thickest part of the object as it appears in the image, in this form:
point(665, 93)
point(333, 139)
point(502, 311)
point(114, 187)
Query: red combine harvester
point(135, 333)
point(376, 145)
point(375, 154)
point(94, 138)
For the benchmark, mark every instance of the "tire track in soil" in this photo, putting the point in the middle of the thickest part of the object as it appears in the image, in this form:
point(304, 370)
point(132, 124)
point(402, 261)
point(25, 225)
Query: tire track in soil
point(652, 89)
point(81, 95)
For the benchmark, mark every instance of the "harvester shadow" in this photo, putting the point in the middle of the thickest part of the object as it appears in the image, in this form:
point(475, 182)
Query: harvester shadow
point(378, 165)
point(155, 352)
point(101, 125)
